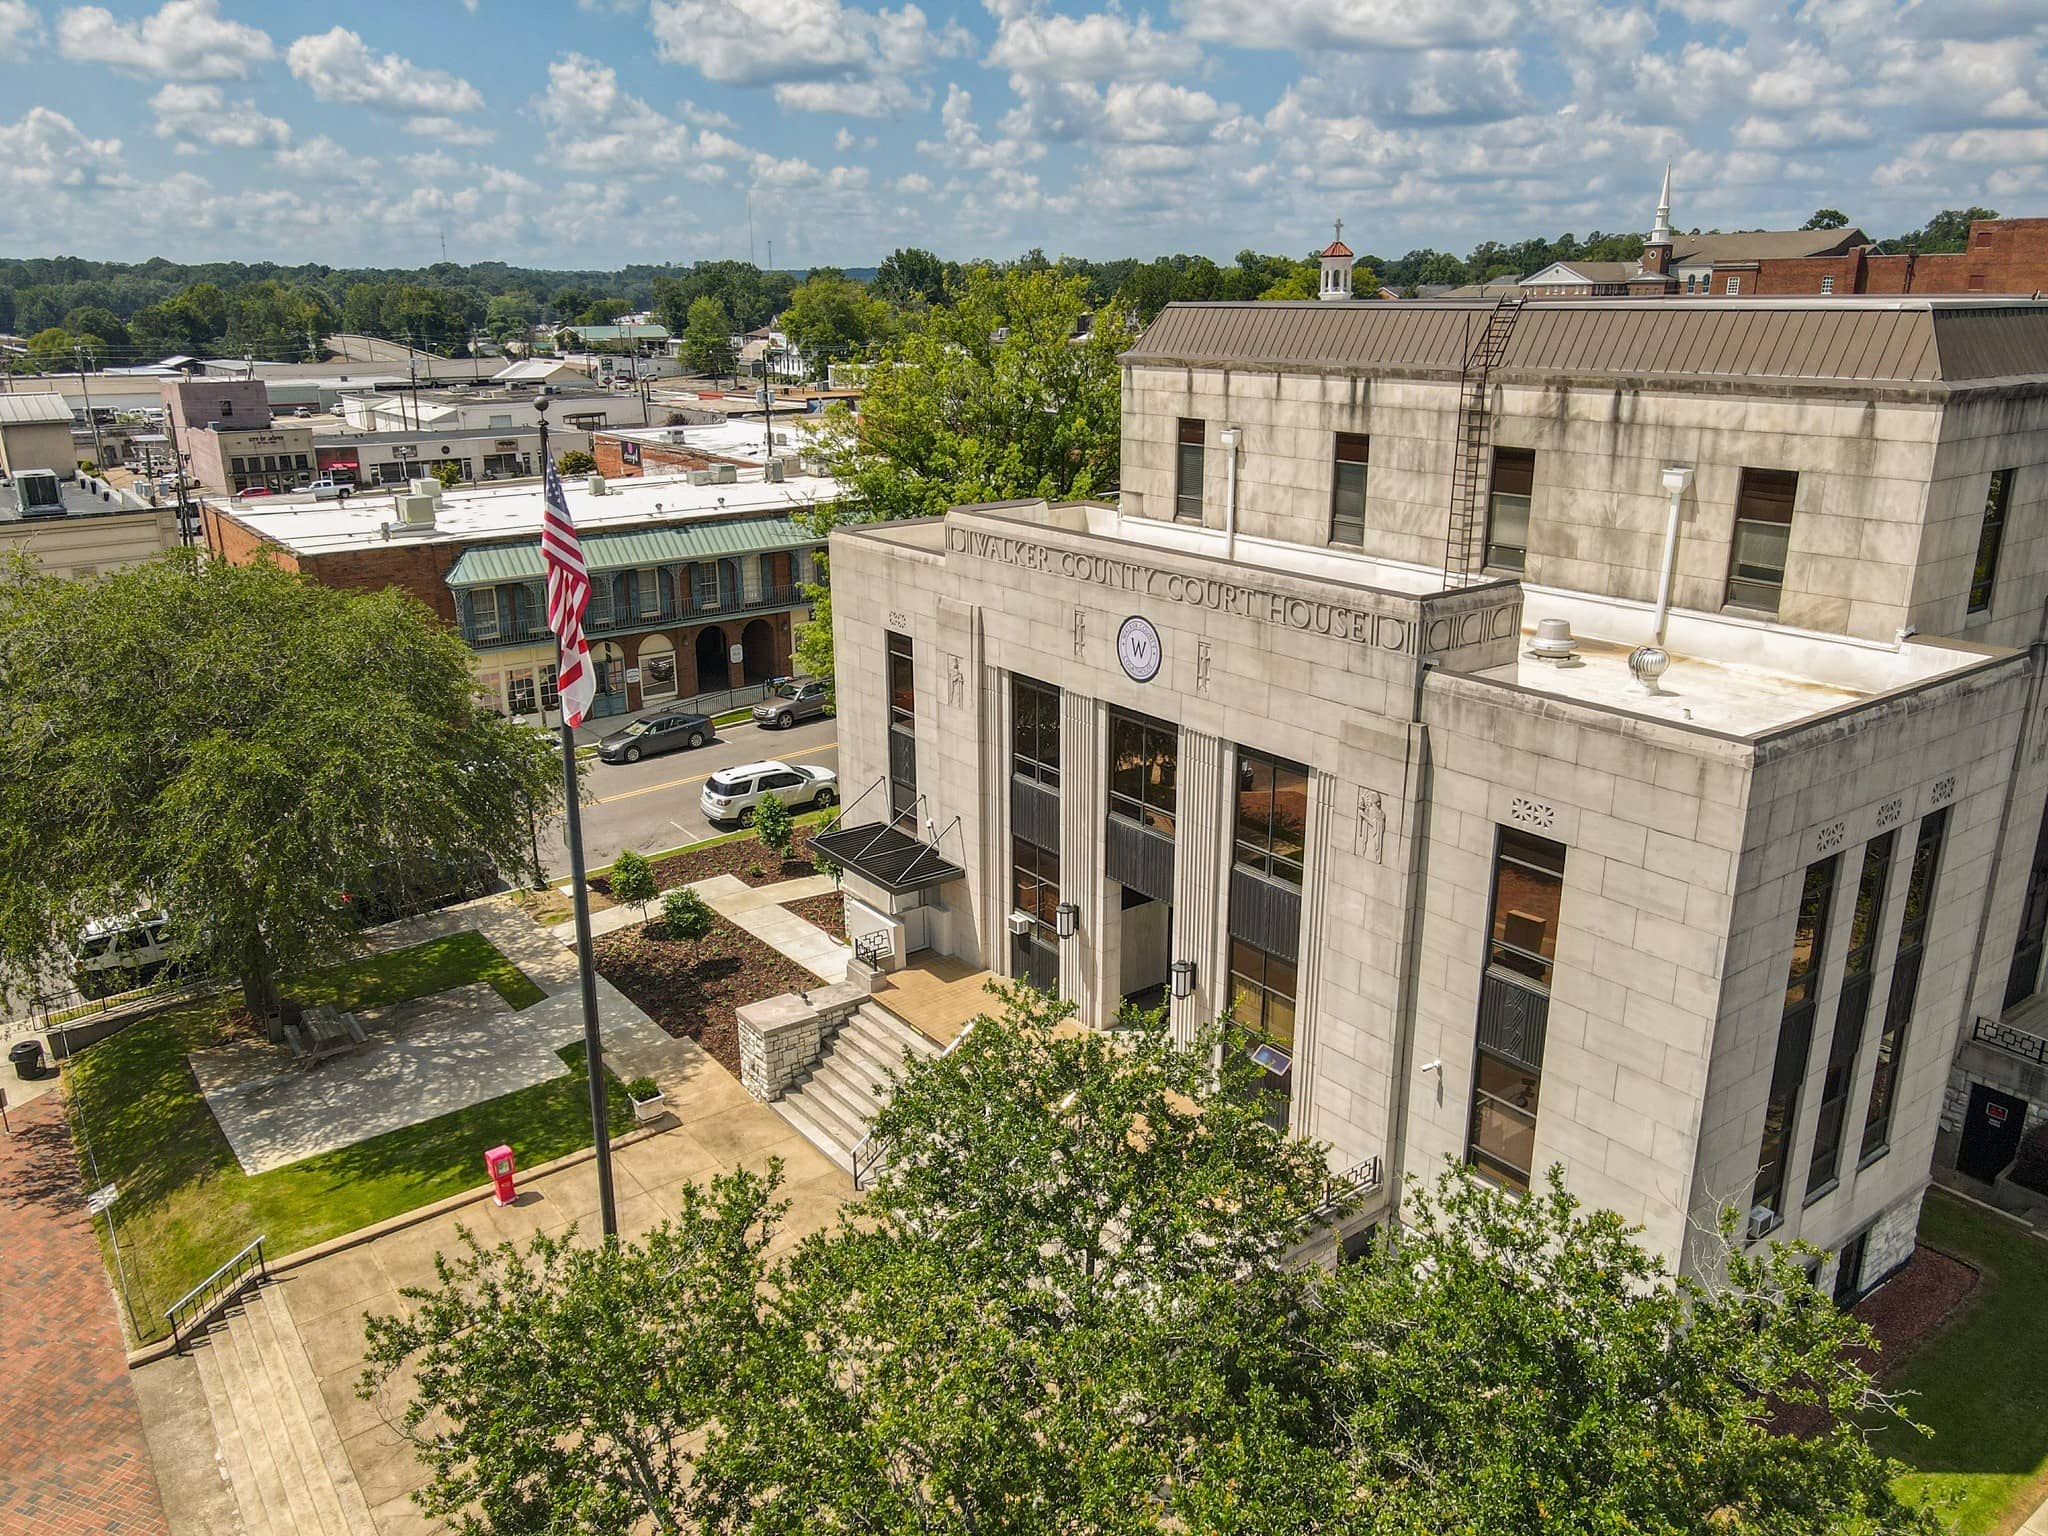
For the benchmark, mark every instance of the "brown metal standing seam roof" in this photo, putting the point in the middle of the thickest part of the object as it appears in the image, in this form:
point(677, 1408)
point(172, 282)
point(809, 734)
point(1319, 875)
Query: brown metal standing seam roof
point(1898, 342)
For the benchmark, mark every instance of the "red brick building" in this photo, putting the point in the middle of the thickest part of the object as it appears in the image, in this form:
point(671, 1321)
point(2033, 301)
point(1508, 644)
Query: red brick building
point(695, 589)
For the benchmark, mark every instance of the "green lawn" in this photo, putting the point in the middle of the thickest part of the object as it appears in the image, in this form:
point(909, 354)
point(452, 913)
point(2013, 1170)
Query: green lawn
point(1982, 1385)
point(186, 1205)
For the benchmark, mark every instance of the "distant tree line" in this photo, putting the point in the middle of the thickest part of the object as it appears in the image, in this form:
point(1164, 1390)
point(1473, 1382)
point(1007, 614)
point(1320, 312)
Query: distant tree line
point(112, 313)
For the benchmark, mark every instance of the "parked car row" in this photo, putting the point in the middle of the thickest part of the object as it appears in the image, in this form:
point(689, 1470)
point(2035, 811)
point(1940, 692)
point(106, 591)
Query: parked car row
point(788, 702)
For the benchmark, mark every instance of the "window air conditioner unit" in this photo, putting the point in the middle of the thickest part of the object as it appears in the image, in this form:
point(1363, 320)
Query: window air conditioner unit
point(1020, 923)
point(1761, 1219)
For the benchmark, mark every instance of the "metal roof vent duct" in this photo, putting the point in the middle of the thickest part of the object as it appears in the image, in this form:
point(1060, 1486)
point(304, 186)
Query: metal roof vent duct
point(1554, 641)
point(1647, 663)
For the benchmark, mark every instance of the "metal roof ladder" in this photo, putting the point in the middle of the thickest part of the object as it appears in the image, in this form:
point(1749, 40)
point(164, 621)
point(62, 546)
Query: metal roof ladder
point(1463, 554)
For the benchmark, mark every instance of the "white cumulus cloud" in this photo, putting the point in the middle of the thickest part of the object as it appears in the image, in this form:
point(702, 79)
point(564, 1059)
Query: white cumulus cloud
point(19, 24)
point(202, 114)
point(186, 39)
point(45, 150)
point(818, 55)
point(338, 66)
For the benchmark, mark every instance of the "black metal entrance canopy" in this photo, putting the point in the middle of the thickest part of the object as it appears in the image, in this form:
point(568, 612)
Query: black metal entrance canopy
point(895, 861)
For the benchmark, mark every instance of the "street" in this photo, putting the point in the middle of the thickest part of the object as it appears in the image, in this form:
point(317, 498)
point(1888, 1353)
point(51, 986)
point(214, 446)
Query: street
point(652, 804)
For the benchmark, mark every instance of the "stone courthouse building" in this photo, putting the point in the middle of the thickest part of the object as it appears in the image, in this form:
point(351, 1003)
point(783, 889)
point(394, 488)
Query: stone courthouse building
point(1598, 733)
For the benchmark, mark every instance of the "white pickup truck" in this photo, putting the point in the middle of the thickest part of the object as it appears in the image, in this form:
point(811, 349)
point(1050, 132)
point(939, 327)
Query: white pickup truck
point(328, 490)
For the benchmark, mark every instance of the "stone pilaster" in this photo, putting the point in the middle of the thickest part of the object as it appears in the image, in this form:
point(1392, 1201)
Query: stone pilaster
point(1082, 880)
point(1308, 970)
point(995, 820)
point(1199, 930)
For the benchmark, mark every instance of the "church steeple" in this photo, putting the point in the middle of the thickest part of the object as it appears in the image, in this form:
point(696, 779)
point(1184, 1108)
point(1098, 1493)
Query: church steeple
point(1657, 248)
point(1337, 261)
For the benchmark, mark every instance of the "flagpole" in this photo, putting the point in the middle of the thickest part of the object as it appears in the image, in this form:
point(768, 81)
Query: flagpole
point(586, 969)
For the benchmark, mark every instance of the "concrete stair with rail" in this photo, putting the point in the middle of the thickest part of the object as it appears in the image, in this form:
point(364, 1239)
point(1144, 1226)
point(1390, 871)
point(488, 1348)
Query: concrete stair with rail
point(278, 1444)
point(835, 1098)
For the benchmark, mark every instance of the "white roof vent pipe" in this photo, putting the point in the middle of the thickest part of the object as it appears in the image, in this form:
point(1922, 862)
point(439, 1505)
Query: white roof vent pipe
point(1555, 642)
point(1677, 481)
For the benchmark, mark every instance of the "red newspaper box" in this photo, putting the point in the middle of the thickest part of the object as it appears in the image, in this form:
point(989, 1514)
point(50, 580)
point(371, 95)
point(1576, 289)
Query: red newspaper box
point(499, 1161)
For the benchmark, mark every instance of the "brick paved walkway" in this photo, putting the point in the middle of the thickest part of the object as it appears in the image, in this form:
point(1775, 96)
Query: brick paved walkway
point(72, 1457)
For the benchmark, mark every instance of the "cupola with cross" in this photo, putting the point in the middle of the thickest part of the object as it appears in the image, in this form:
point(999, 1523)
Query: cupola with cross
point(1337, 260)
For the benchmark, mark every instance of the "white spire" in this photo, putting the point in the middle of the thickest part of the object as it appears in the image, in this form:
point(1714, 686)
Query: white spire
point(1661, 235)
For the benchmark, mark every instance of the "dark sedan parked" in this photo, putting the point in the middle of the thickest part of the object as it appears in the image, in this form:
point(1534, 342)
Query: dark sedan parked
point(665, 732)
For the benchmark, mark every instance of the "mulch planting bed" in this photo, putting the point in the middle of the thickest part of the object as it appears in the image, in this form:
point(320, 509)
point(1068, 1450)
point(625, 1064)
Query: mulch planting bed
point(1907, 1309)
point(739, 859)
point(693, 990)
point(827, 911)
point(1905, 1312)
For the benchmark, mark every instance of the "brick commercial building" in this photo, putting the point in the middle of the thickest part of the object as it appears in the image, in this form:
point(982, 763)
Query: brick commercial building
point(695, 589)
point(1600, 733)
point(625, 452)
point(228, 440)
point(2004, 256)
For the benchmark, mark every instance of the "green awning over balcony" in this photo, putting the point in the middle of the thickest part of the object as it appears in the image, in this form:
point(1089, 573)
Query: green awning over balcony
point(489, 565)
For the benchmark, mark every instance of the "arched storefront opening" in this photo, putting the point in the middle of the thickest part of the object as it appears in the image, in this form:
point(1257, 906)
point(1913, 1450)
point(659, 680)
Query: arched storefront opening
point(757, 643)
point(608, 672)
point(657, 669)
point(712, 670)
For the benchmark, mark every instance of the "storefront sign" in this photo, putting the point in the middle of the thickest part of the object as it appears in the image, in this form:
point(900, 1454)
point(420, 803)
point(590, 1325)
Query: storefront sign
point(632, 674)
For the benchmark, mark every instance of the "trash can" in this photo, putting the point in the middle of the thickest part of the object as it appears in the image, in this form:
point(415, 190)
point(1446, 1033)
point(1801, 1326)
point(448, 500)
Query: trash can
point(26, 1056)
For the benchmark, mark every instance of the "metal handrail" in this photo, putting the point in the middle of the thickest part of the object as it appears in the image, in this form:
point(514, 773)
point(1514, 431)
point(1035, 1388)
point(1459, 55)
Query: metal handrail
point(1359, 1179)
point(217, 1290)
point(2014, 1041)
point(867, 1152)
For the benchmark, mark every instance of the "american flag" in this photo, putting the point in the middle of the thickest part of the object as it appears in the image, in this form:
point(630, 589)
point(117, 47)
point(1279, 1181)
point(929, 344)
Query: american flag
point(568, 597)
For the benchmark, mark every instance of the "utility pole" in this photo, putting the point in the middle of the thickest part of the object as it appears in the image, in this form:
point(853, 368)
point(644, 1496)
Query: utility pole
point(99, 457)
point(412, 372)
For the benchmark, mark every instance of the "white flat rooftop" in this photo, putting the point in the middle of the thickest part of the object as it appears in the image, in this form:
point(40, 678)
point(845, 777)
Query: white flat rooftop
point(737, 438)
point(1740, 677)
point(307, 526)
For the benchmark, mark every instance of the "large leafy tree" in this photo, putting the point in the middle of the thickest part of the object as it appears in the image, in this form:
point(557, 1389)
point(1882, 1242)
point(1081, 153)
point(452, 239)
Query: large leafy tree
point(707, 337)
point(994, 397)
point(241, 747)
point(833, 318)
point(910, 277)
point(1073, 1303)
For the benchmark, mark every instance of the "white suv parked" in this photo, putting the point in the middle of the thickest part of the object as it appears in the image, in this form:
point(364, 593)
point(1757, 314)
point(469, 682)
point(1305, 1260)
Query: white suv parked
point(732, 793)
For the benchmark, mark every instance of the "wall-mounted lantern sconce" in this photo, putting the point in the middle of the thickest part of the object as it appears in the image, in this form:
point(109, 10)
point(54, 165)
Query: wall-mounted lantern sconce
point(1183, 978)
point(1066, 919)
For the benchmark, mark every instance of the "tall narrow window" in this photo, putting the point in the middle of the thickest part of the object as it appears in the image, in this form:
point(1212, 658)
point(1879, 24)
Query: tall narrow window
point(647, 586)
point(902, 730)
point(2024, 976)
point(1898, 1013)
point(1187, 472)
point(1514, 1006)
point(1035, 830)
point(1035, 732)
point(1036, 893)
point(1347, 494)
point(1272, 815)
point(1763, 533)
point(1985, 574)
point(1827, 285)
point(599, 614)
point(1507, 508)
point(1144, 757)
point(1850, 1013)
point(1795, 1037)
point(483, 613)
point(1262, 991)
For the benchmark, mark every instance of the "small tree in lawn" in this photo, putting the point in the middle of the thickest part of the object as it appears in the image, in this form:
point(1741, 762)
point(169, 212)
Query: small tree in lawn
point(686, 916)
point(775, 827)
point(633, 881)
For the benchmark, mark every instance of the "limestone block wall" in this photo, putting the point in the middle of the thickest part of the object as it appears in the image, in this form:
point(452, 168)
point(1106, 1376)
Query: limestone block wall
point(1826, 788)
point(1598, 511)
point(1978, 436)
point(1650, 817)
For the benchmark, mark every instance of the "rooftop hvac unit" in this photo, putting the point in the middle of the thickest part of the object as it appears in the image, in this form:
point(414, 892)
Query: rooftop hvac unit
point(725, 474)
point(424, 485)
point(415, 510)
point(38, 494)
point(701, 477)
point(596, 487)
point(773, 472)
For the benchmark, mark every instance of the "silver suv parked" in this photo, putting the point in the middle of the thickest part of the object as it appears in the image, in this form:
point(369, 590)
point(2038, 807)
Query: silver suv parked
point(791, 700)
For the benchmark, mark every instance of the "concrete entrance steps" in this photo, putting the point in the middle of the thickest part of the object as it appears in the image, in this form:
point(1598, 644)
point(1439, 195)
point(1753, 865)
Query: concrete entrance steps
point(835, 1098)
point(278, 1444)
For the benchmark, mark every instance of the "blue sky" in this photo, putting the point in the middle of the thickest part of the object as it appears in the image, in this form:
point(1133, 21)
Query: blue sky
point(597, 132)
